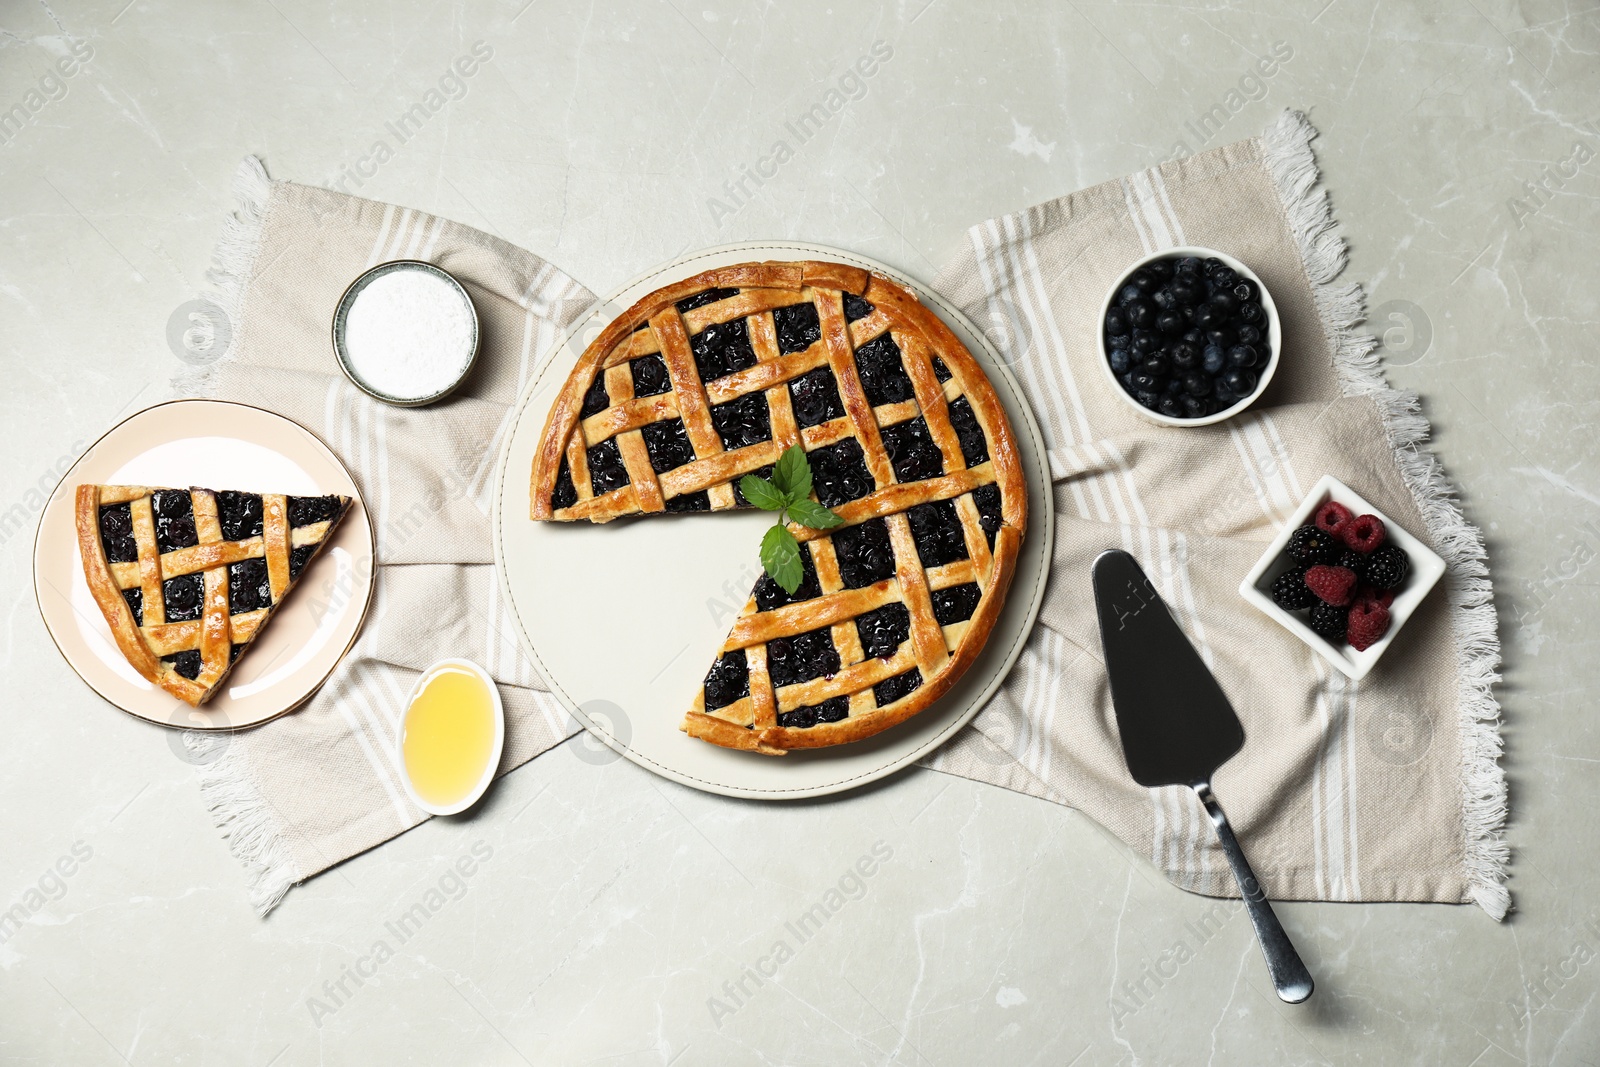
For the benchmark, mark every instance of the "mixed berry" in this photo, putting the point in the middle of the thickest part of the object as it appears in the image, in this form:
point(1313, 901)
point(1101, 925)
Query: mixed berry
point(1345, 570)
point(1187, 337)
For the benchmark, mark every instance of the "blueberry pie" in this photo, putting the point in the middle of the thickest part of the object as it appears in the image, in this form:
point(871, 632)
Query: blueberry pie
point(187, 578)
point(712, 378)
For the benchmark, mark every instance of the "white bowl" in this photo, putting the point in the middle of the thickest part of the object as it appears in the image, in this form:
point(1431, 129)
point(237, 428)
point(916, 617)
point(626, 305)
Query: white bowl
point(477, 791)
point(1274, 337)
point(1426, 570)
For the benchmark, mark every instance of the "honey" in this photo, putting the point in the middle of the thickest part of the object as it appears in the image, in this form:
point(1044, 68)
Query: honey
point(448, 734)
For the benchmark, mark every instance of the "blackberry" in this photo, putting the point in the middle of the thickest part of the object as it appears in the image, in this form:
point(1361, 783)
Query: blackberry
point(1310, 546)
point(1355, 561)
point(1330, 622)
point(1387, 567)
point(1290, 593)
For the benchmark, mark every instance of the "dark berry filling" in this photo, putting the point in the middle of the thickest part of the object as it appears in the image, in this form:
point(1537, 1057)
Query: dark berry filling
point(791, 660)
point(186, 663)
point(738, 494)
point(721, 349)
point(807, 717)
point(883, 631)
point(956, 604)
point(864, 553)
point(987, 497)
point(116, 533)
point(248, 588)
point(183, 596)
point(883, 375)
point(798, 328)
point(650, 376)
point(839, 473)
point(889, 690)
point(701, 299)
point(769, 594)
point(233, 652)
point(742, 422)
point(565, 494)
point(174, 519)
point(940, 371)
point(305, 510)
point(728, 680)
point(606, 470)
point(298, 558)
point(974, 445)
point(912, 453)
point(855, 307)
point(936, 529)
point(596, 399)
point(239, 515)
point(668, 445)
point(700, 501)
point(135, 599)
point(816, 397)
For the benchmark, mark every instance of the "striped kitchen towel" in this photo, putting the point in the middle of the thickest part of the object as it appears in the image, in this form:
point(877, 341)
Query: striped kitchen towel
point(1386, 789)
point(316, 787)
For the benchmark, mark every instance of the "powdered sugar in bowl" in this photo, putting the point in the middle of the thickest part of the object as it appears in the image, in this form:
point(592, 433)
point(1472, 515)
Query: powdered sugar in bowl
point(406, 332)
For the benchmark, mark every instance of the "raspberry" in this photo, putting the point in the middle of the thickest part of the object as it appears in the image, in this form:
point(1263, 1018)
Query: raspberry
point(1333, 585)
point(1387, 567)
point(1310, 545)
point(1329, 621)
point(1366, 593)
point(1333, 517)
point(1289, 592)
point(1368, 621)
point(1364, 533)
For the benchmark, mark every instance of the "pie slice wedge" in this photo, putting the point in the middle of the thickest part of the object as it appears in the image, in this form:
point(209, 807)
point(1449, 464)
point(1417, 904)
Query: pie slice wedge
point(712, 378)
point(187, 578)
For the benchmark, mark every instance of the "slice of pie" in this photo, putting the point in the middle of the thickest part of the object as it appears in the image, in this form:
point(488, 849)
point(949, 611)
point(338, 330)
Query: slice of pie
point(712, 378)
point(187, 578)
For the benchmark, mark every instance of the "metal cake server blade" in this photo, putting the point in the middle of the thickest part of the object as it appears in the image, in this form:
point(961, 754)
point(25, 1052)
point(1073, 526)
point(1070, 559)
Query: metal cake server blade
point(1177, 728)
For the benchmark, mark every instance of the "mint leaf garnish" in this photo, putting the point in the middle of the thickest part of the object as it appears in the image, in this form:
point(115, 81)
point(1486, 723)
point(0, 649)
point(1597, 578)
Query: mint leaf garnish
point(762, 493)
point(792, 474)
point(780, 555)
point(812, 514)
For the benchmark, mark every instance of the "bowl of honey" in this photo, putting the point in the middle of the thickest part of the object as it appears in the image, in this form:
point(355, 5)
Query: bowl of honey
point(452, 732)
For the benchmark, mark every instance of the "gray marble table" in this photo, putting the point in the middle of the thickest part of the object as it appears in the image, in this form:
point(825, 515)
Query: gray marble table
point(615, 912)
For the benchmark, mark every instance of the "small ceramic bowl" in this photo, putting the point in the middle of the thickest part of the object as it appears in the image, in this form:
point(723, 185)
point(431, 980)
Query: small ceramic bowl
point(497, 745)
point(341, 315)
point(1426, 570)
point(1274, 332)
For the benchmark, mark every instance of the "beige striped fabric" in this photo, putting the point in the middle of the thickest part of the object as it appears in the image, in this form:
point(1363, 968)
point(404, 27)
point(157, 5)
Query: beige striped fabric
point(1386, 790)
point(318, 786)
point(1383, 790)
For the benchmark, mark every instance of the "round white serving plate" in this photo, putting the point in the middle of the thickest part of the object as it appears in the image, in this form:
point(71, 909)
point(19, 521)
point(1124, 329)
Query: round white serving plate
point(624, 619)
point(219, 445)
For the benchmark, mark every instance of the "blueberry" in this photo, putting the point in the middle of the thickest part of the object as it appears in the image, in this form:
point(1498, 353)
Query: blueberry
point(1224, 276)
point(1144, 341)
point(1128, 294)
point(1196, 385)
point(1213, 359)
point(1119, 360)
point(1240, 382)
point(1251, 313)
point(1141, 313)
point(1220, 336)
point(1149, 400)
point(1157, 364)
point(1193, 407)
point(1169, 322)
point(1184, 356)
point(1162, 298)
point(1207, 316)
point(1171, 407)
point(1161, 268)
point(1173, 387)
point(1242, 356)
point(1248, 335)
point(1145, 382)
point(1245, 290)
point(1145, 279)
point(1185, 293)
point(1189, 263)
point(1194, 337)
point(1224, 302)
point(1116, 322)
point(1210, 264)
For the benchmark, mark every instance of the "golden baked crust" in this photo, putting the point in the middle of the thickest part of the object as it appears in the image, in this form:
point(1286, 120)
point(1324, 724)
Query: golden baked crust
point(597, 428)
point(154, 644)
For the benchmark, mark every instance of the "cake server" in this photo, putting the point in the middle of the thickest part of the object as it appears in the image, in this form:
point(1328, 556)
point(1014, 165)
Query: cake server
point(1177, 728)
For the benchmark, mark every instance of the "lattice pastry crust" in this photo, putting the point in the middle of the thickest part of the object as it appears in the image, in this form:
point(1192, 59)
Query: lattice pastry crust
point(187, 578)
point(712, 378)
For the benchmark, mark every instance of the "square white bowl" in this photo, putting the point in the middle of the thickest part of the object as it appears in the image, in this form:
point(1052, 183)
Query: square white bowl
point(1426, 570)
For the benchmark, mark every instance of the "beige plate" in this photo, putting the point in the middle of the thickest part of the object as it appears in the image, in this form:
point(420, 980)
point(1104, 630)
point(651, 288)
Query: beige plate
point(220, 446)
point(623, 620)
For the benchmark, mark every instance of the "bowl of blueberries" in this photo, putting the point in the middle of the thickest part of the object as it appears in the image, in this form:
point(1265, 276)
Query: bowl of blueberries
point(1189, 336)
